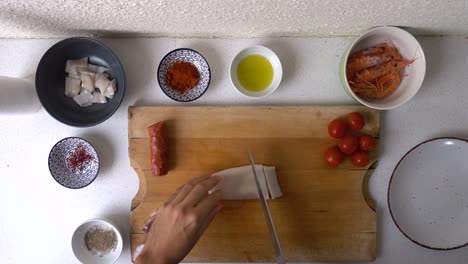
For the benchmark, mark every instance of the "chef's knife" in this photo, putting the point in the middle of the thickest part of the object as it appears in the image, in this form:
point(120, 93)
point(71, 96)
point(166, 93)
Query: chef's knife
point(266, 213)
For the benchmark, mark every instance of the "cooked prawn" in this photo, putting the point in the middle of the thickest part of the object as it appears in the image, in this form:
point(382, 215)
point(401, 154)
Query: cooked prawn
point(384, 86)
point(375, 72)
point(391, 50)
point(388, 83)
point(363, 62)
point(368, 51)
point(371, 57)
point(369, 75)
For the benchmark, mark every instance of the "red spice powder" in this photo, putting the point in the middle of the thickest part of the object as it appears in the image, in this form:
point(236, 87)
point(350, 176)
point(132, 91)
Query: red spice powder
point(78, 160)
point(182, 76)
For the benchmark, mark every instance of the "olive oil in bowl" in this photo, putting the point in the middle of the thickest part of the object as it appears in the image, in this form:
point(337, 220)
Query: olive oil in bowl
point(255, 73)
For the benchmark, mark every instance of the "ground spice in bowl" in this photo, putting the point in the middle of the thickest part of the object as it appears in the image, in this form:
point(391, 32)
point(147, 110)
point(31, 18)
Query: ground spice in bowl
point(100, 240)
point(182, 76)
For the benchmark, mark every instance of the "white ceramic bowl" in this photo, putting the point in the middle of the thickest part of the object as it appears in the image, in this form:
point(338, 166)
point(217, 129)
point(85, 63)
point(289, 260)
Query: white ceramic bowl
point(428, 194)
point(408, 46)
point(275, 63)
point(81, 251)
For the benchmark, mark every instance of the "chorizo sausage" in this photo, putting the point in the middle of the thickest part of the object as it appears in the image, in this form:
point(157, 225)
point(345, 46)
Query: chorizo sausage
point(158, 148)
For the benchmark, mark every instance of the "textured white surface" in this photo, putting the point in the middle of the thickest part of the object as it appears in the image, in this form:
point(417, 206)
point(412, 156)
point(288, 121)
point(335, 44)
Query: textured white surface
point(38, 216)
point(47, 18)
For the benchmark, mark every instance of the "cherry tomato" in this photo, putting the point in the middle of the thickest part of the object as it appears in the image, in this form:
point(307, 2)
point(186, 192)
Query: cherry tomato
point(360, 158)
point(337, 128)
point(348, 144)
point(333, 157)
point(367, 142)
point(355, 120)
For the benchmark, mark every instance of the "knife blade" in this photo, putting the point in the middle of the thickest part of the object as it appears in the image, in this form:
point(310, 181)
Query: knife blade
point(266, 213)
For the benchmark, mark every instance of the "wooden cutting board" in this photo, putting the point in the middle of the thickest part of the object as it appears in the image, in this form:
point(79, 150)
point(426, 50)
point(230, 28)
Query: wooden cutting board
point(324, 215)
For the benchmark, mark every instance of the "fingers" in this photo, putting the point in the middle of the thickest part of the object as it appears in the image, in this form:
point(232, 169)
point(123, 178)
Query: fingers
point(198, 179)
point(200, 190)
point(207, 204)
point(186, 189)
point(172, 196)
point(207, 221)
point(149, 222)
point(192, 182)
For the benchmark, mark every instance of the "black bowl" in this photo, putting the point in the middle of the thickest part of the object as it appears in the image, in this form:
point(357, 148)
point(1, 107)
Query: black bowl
point(50, 81)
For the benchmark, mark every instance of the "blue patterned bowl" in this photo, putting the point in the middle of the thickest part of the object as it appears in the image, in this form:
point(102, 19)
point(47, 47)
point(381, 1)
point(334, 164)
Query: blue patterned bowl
point(187, 55)
point(64, 167)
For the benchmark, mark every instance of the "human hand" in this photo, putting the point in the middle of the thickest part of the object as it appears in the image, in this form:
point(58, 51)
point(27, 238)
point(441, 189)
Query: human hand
point(181, 221)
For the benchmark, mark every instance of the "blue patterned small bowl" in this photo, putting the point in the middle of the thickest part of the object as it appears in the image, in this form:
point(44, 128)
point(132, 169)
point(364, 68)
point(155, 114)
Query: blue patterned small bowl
point(187, 55)
point(74, 162)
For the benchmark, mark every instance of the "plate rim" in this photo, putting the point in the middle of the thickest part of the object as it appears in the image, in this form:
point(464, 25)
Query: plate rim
point(388, 195)
point(209, 74)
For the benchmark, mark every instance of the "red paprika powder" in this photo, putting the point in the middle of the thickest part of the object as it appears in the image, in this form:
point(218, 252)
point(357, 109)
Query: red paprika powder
point(182, 76)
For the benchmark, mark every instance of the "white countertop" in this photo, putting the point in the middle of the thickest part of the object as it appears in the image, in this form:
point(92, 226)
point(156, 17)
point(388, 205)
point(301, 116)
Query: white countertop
point(38, 216)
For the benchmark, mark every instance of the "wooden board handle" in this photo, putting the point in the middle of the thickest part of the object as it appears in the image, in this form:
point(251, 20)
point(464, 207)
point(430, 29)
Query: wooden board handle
point(140, 195)
point(365, 186)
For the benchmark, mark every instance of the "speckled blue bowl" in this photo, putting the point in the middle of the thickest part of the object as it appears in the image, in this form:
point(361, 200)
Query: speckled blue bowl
point(60, 169)
point(187, 55)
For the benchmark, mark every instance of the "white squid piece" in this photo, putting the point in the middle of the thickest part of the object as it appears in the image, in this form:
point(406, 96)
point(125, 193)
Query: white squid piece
point(99, 98)
point(102, 81)
point(74, 75)
point(84, 99)
point(239, 183)
point(72, 65)
point(97, 68)
point(72, 86)
point(85, 70)
point(111, 89)
point(87, 82)
point(83, 80)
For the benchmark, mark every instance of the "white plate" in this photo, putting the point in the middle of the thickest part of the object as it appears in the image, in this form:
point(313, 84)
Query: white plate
point(81, 251)
point(275, 63)
point(428, 194)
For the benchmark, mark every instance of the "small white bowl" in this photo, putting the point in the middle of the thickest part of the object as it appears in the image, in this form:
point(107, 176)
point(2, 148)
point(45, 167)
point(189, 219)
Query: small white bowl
point(275, 63)
point(81, 251)
point(408, 46)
